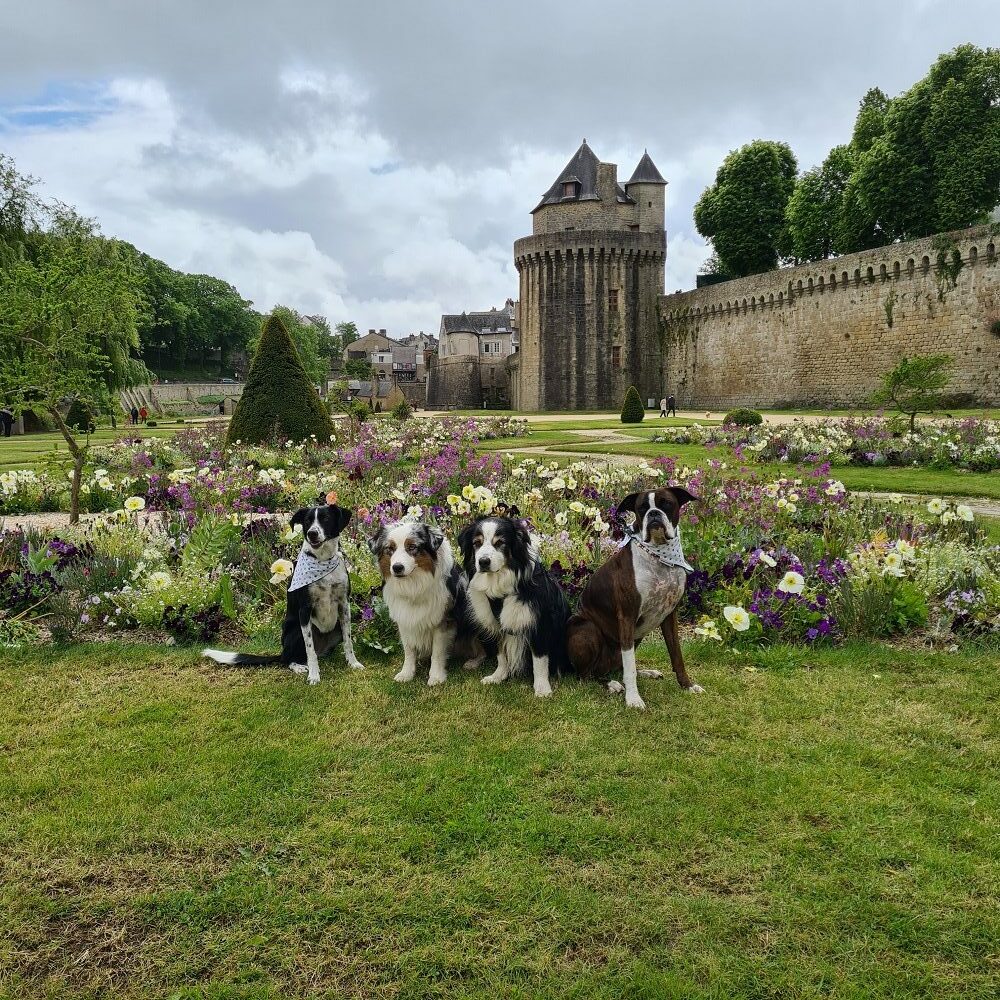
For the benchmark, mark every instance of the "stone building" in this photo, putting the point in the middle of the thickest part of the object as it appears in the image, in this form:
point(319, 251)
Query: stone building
point(591, 274)
point(468, 370)
point(821, 334)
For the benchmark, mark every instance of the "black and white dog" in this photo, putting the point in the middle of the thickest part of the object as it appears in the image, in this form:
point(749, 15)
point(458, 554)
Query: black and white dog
point(317, 613)
point(425, 592)
point(514, 602)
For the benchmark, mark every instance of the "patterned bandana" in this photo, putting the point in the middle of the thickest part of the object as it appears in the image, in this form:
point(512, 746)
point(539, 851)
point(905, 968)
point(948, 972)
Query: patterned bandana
point(309, 569)
point(669, 553)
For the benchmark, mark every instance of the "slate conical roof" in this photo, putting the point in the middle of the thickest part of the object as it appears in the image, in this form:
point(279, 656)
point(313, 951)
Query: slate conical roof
point(582, 169)
point(645, 172)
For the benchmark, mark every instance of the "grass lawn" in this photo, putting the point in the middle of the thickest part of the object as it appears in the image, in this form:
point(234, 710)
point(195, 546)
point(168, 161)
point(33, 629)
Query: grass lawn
point(32, 449)
point(822, 825)
point(942, 482)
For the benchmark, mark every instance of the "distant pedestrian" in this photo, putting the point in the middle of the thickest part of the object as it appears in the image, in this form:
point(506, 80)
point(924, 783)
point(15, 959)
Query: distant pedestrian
point(671, 406)
point(134, 415)
point(663, 406)
point(143, 413)
point(222, 407)
point(6, 421)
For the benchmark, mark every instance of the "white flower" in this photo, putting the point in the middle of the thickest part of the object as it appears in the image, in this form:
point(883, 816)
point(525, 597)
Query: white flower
point(557, 483)
point(281, 570)
point(906, 549)
point(935, 506)
point(947, 517)
point(791, 508)
point(708, 629)
point(519, 472)
point(415, 511)
point(895, 498)
point(792, 583)
point(100, 473)
point(133, 504)
point(964, 512)
point(576, 507)
point(736, 617)
point(159, 580)
point(561, 518)
point(105, 483)
point(767, 560)
point(835, 488)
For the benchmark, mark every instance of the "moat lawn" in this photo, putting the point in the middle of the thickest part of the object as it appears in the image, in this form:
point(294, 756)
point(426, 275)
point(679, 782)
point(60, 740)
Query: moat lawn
point(818, 824)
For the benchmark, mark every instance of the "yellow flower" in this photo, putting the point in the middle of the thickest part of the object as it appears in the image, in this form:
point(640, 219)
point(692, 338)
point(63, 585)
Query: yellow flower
point(469, 492)
point(281, 570)
point(133, 504)
point(158, 581)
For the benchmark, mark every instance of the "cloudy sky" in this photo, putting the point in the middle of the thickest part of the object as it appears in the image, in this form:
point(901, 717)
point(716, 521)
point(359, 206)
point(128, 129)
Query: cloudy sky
point(376, 160)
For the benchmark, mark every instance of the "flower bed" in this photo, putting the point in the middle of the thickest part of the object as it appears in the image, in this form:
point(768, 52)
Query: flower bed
point(970, 443)
point(195, 538)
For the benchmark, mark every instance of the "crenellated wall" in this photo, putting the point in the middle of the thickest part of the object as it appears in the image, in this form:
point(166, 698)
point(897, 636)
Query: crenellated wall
point(821, 334)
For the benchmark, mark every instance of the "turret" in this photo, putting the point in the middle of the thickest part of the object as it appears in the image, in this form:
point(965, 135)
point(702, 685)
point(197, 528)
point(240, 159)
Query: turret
point(647, 188)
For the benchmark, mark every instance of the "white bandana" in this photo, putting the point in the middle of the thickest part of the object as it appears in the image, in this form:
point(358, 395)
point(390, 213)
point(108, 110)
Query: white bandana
point(309, 569)
point(669, 553)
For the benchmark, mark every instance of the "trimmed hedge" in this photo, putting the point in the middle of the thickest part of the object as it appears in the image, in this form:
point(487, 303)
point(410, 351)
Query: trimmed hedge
point(633, 411)
point(279, 399)
point(743, 417)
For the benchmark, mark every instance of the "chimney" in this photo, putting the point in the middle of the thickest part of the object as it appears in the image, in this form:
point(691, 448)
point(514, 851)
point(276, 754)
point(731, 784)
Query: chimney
point(382, 331)
point(371, 332)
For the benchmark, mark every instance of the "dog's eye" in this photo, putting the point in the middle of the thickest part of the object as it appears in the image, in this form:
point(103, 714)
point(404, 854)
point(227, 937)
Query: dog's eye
point(498, 544)
point(476, 542)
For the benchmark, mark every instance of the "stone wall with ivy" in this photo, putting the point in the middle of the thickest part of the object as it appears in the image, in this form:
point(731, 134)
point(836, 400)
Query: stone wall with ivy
point(821, 334)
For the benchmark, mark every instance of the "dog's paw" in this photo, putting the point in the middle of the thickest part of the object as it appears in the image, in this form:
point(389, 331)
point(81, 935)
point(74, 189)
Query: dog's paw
point(403, 677)
point(695, 689)
point(656, 675)
point(491, 679)
point(634, 701)
point(436, 679)
point(313, 678)
point(543, 692)
point(298, 668)
point(615, 687)
point(355, 665)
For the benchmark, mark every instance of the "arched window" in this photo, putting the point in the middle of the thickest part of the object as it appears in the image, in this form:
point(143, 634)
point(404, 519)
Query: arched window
point(844, 278)
point(871, 275)
point(910, 267)
point(973, 255)
point(857, 276)
point(882, 273)
point(833, 280)
point(925, 264)
point(895, 269)
point(991, 253)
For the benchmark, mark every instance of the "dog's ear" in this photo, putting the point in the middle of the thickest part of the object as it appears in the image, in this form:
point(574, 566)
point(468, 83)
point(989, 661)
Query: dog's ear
point(627, 504)
point(377, 540)
point(300, 517)
point(434, 537)
point(465, 547)
point(342, 516)
point(682, 495)
point(514, 512)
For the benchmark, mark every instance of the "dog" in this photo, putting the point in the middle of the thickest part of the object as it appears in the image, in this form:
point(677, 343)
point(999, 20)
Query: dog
point(635, 591)
point(317, 611)
point(514, 602)
point(425, 592)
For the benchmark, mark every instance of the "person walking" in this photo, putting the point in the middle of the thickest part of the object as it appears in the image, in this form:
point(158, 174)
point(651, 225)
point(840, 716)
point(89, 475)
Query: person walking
point(143, 413)
point(663, 406)
point(222, 407)
point(6, 421)
point(134, 415)
point(671, 406)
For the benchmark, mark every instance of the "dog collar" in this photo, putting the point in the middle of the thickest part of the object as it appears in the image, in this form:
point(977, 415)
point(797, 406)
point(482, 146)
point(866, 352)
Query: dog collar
point(669, 553)
point(309, 569)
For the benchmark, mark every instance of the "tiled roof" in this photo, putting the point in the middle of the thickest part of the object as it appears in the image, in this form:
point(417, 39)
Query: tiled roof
point(646, 172)
point(476, 322)
point(582, 170)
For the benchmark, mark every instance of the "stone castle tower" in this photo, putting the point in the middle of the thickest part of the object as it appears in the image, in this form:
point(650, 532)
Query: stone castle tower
point(590, 277)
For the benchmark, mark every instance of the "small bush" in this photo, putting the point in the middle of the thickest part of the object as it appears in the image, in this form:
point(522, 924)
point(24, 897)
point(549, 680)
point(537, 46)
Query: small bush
point(743, 417)
point(633, 411)
point(359, 411)
point(150, 423)
point(81, 417)
point(402, 411)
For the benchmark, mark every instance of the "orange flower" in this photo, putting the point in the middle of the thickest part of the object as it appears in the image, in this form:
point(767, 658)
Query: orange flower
point(363, 512)
point(331, 497)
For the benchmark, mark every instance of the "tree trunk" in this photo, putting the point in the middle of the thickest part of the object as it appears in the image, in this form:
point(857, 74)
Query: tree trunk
point(913, 421)
point(79, 457)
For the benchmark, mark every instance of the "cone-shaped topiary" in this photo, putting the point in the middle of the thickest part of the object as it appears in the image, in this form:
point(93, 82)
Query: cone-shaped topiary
point(632, 409)
point(279, 399)
point(81, 417)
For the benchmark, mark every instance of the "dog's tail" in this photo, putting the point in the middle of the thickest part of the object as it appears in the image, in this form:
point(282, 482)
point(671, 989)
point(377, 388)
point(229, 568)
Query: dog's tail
point(241, 659)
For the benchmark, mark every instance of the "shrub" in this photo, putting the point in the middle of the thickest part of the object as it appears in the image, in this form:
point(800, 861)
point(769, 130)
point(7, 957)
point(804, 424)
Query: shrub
point(279, 398)
point(402, 411)
point(743, 417)
point(81, 417)
point(632, 409)
point(359, 411)
point(150, 423)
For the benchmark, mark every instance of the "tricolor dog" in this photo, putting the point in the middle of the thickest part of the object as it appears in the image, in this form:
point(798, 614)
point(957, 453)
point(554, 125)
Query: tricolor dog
point(514, 602)
point(635, 591)
point(425, 592)
point(317, 612)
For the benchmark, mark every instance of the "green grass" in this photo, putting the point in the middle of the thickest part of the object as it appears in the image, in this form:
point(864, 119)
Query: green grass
point(941, 482)
point(32, 449)
point(823, 826)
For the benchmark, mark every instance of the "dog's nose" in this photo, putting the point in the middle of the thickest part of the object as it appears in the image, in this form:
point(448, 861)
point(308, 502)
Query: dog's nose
point(313, 536)
point(398, 568)
point(484, 562)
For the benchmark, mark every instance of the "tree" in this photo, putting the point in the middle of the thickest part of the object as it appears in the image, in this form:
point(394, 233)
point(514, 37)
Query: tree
point(68, 307)
point(816, 205)
point(306, 338)
point(743, 212)
point(633, 412)
point(279, 398)
point(359, 368)
point(928, 161)
point(347, 333)
point(916, 385)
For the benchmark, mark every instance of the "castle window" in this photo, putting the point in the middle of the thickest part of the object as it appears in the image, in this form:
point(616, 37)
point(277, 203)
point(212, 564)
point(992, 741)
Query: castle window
point(612, 298)
point(616, 357)
point(634, 228)
point(570, 189)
